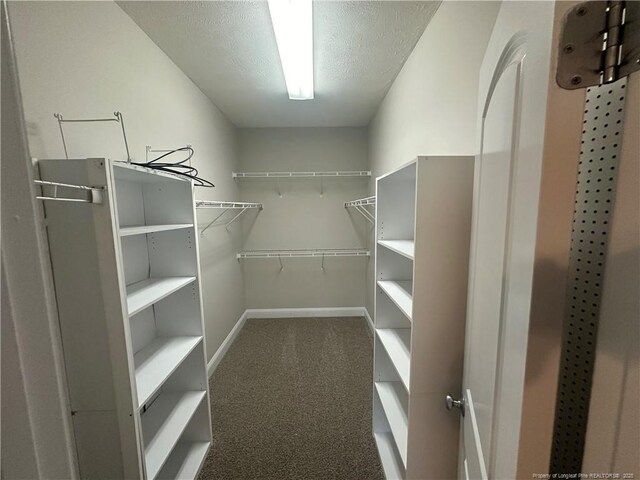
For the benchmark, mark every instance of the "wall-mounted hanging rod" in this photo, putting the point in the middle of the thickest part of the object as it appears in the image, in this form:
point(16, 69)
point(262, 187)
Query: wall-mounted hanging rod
point(304, 253)
point(360, 205)
point(118, 118)
point(95, 193)
point(225, 207)
point(300, 174)
point(320, 175)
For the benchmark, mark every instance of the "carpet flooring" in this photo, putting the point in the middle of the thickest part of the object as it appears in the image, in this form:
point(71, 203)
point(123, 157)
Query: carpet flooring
point(292, 400)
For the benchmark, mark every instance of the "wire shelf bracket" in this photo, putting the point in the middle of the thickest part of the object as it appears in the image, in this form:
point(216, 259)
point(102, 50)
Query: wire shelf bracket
point(360, 205)
point(117, 118)
point(95, 194)
point(225, 207)
point(149, 150)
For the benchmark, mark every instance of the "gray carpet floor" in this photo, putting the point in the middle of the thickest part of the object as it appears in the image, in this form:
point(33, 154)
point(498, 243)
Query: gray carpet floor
point(292, 400)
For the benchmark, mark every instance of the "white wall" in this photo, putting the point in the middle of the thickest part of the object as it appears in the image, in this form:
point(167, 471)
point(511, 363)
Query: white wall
point(431, 106)
point(302, 218)
point(88, 59)
point(37, 437)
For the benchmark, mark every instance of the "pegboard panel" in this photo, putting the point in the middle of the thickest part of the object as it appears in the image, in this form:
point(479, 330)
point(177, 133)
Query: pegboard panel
point(595, 193)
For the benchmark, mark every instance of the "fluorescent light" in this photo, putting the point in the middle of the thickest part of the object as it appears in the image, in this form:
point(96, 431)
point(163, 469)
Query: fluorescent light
point(293, 25)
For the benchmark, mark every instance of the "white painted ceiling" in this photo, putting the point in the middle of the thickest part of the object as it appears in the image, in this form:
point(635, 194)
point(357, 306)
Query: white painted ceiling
point(229, 50)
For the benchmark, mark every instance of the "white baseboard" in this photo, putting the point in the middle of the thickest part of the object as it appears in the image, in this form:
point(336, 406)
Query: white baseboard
point(282, 313)
point(217, 357)
point(305, 312)
point(369, 320)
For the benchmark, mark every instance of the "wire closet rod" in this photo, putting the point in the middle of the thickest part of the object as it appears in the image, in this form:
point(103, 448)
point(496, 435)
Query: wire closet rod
point(361, 202)
point(225, 207)
point(95, 192)
point(305, 253)
point(221, 204)
point(362, 173)
point(360, 205)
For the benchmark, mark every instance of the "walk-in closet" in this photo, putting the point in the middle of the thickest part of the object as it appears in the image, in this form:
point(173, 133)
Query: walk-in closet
point(320, 240)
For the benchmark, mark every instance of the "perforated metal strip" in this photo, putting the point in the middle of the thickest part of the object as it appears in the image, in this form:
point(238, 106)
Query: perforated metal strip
point(595, 193)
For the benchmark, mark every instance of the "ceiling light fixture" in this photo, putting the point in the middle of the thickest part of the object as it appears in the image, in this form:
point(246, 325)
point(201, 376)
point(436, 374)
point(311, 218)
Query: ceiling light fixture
point(293, 25)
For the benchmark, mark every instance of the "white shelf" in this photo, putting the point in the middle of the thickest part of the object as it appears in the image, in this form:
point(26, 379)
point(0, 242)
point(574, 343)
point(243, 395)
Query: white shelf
point(390, 462)
point(136, 173)
point(361, 202)
point(157, 361)
point(400, 293)
point(396, 342)
point(402, 247)
point(144, 229)
point(390, 394)
point(163, 424)
point(142, 294)
point(185, 461)
point(226, 205)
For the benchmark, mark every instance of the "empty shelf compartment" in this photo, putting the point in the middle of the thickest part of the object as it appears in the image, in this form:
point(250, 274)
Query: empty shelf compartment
point(185, 461)
point(144, 229)
point(163, 424)
point(157, 361)
point(142, 294)
point(397, 343)
point(403, 247)
point(394, 403)
point(391, 464)
point(400, 293)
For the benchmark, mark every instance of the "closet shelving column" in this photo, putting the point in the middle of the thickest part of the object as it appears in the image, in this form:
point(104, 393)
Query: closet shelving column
point(423, 217)
point(128, 285)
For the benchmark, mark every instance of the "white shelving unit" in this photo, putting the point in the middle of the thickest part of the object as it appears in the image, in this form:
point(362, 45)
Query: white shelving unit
point(423, 219)
point(127, 277)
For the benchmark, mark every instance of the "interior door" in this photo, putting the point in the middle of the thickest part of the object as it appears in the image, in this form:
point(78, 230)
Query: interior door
point(492, 241)
point(505, 187)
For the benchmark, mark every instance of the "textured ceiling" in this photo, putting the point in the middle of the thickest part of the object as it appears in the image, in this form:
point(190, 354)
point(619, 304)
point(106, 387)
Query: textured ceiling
point(229, 50)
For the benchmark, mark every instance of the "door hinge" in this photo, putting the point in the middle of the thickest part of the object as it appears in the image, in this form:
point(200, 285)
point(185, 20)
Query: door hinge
point(599, 44)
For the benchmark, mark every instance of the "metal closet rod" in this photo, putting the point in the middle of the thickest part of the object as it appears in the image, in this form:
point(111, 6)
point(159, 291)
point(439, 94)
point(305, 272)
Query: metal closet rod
point(360, 173)
point(95, 193)
point(304, 253)
point(360, 204)
point(225, 206)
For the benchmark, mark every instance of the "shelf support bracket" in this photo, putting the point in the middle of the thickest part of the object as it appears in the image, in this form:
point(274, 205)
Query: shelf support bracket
point(235, 218)
point(213, 221)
